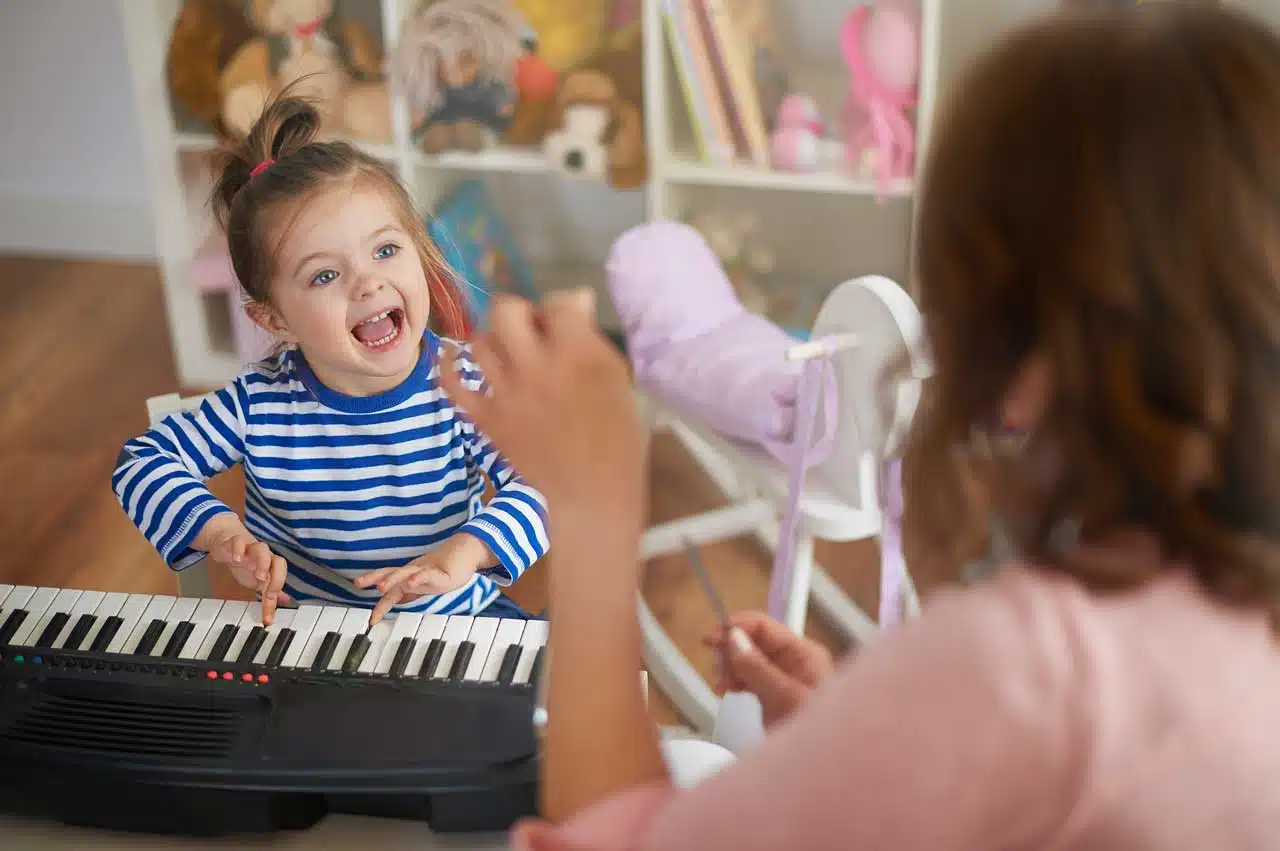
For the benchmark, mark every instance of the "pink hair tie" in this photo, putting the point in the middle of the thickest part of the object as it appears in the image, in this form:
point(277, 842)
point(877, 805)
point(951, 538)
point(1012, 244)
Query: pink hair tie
point(261, 167)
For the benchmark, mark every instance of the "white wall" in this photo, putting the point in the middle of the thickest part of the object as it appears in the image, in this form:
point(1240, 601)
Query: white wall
point(71, 170)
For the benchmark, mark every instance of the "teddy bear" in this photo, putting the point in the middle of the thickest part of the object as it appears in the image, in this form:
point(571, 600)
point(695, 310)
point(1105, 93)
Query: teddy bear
point(307, 38)
point(456, 62)
point(596, 127)
point(206, 35)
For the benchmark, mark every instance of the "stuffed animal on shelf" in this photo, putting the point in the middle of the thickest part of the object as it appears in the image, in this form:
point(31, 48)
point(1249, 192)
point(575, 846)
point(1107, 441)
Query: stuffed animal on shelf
point(298, 39)
point(800, 141)
point(569, 31)
point(206, 35)
point(456, 62)
point(536, 86)
point(597, 124)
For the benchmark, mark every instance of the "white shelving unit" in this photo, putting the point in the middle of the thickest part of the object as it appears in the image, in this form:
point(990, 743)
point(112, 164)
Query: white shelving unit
point(822, 228)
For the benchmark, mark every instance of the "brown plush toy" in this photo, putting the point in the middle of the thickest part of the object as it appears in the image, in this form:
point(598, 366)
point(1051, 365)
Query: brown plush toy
point(306, 38)
point(597, 124)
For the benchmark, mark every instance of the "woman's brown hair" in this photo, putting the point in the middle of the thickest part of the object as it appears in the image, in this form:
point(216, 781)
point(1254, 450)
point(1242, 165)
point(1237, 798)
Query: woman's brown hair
point(1103, 193)
point(281, 162)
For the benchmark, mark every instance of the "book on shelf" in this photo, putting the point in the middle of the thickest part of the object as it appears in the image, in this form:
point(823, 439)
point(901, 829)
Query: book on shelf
point(717, 71)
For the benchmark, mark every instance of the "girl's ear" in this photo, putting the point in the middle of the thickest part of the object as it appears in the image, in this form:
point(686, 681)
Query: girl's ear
point(269, 319)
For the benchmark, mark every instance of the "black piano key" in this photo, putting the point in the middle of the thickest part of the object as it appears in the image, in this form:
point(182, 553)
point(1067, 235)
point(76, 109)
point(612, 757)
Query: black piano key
point(11, 624)
point(178, 640)
point(510, 659)
point(325, 654)
point(283, 639)
point(252, 644)
point(223, 644)
point(401, 660)
point(79, 631)
point(359, 649)
point(434, 651)
point(149, 638)
point(53, 629)
point(536, 670)
point(460, 662)
point(109, 629)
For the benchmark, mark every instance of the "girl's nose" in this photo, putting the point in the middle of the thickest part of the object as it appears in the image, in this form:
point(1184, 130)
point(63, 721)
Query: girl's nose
point(367, 286)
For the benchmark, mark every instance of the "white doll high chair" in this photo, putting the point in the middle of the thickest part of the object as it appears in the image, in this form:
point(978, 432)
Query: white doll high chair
point(735, 389)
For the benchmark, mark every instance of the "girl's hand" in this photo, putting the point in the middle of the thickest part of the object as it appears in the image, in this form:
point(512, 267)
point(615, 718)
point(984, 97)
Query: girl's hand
point(561, 408)
point(450, 565)
point(250, 562)
point(764, 657)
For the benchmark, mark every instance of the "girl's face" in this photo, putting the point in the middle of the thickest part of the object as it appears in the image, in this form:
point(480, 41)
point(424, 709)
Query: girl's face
point(349, 291)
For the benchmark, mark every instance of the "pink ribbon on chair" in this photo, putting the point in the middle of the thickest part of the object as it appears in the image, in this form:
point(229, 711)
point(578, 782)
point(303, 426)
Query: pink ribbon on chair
point(887, 123)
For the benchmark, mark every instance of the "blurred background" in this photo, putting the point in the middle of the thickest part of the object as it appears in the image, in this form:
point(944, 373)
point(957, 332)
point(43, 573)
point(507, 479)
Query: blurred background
point(114, 287)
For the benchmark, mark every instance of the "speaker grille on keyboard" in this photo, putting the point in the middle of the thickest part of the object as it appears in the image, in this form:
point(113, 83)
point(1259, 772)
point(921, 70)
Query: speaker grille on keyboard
point(126, 727)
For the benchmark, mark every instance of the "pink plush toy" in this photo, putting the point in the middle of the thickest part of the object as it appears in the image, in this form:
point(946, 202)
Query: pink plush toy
point(881, 46)
point(800, 142)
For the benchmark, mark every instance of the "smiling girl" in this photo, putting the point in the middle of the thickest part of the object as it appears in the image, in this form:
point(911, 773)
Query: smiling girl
point(363, 481)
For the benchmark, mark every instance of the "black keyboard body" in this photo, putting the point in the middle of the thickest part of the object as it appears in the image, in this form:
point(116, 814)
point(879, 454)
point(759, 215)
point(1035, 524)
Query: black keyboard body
point(192, 748)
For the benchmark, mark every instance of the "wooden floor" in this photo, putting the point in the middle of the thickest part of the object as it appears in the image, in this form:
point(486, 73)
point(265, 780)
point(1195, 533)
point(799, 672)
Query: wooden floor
point(82, 346)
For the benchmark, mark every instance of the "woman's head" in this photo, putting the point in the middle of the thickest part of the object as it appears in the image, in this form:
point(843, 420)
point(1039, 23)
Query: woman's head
point(330, 253)
point(1099, 265)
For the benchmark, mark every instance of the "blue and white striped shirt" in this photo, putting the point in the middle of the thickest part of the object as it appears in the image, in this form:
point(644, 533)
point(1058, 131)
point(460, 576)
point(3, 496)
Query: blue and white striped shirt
point(338, 485)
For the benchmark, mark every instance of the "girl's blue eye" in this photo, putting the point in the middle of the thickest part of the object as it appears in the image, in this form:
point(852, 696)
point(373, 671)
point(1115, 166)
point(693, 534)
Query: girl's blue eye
point(387, 251)
point(324, 277)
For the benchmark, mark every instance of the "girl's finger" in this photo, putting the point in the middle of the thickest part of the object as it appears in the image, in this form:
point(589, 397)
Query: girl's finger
point(431, 580)
point(399, 577)
point(238, 544)
point(513, 336)
point(386, 604)
point(373, 577)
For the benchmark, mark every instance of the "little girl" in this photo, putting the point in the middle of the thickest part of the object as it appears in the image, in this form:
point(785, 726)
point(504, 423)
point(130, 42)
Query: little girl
point(1099, 268)
point(363, 481)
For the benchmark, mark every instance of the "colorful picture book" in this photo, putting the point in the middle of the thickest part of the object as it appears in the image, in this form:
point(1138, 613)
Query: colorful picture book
point(478, 246)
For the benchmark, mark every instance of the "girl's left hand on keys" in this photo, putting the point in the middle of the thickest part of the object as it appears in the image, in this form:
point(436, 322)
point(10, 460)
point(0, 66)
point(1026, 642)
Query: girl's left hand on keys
point(449, 566)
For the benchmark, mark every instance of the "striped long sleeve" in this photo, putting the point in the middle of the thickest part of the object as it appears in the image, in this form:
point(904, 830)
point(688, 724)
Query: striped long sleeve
point(514, 523)
point(338, 485)
point(159, 476)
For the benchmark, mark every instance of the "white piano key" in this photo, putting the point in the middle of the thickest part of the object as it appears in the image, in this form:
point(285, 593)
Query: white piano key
point(354, 623)
point(112, 603)
point(63, 603)
point(455, 632)
point(130, 614)
point(252, 617)
point(379, 638)
point(330, 620)
point(86, 605)
point(432, 627)
point(230, 613)
point(4, 592)
point(35, 607)
point(157, 609)
point(481, 636)
point(16, 599)
point(509, 632)
point(403, 625)
point(534, 636)
point(204, 617)
point(184, 608)
point(304, 625)
point(283, 619)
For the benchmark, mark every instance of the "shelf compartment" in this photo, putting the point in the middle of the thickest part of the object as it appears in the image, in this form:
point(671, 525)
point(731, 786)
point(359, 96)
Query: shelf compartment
point(684, 169)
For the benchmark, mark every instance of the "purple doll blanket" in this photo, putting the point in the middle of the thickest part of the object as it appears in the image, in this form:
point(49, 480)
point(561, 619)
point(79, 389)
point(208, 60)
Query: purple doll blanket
point(695, 347)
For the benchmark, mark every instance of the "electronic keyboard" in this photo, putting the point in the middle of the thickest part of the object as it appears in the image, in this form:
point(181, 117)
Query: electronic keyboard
point(180, 715)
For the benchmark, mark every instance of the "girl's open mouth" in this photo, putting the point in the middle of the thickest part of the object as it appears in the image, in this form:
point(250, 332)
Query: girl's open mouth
point(380, 331)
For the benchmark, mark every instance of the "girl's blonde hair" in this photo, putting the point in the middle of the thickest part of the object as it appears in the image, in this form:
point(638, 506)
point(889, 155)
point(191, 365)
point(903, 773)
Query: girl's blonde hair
point(1103, 192)
point(281, 163)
